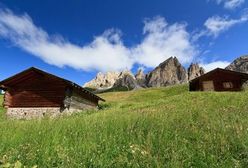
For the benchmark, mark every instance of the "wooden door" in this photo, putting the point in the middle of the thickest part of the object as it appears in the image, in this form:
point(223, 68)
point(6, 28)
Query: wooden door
point(208, 85)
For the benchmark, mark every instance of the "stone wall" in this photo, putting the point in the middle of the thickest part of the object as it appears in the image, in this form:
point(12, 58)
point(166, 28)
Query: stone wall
point(31, 113)
point(37, 113)
point(74, 103)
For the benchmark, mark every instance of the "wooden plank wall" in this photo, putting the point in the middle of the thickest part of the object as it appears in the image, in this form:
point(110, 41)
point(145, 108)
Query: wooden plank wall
point(219, 78)
point(36, 91)
point(79, 93)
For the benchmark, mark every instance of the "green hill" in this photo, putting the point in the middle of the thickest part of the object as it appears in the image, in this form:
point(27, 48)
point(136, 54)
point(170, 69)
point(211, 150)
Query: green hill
point(164, 127)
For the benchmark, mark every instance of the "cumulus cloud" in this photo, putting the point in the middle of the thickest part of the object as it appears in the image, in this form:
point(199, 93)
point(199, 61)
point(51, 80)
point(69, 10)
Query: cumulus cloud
point(216, 64)
point(230, 4)
point(216, 24)
point(106, 52)
point(163, 41)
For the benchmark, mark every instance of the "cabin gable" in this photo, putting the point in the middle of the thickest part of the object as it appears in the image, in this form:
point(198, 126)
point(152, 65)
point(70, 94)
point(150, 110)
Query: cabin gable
point(34, 93)
point(219, 80)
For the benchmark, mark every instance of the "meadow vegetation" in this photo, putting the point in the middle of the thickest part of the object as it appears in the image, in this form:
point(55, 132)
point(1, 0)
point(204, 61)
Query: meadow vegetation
point(159, 127)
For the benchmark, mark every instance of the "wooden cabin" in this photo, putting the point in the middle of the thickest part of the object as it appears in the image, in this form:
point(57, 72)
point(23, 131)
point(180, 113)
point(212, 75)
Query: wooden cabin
point(219, 80)
point(34, 93)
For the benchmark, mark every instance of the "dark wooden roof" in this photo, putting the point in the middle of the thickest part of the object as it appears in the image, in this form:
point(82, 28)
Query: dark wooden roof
point(243, 75)
point(26, 74)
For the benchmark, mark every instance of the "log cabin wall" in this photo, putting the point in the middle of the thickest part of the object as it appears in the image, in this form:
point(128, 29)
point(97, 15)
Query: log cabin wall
point(219, 77)
point(76, 100)
point(91, 100)
point(80, 102)
point(41, 91)
point(6, 100)
point(34, 93)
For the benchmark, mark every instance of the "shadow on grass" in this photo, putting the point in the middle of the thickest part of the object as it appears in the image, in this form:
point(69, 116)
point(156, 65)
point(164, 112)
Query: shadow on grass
point(104, 106)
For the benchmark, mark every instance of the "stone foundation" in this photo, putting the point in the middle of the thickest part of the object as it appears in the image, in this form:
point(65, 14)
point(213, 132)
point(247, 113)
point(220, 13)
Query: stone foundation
point(73, 103)
point(30, 113)
point(38, 113)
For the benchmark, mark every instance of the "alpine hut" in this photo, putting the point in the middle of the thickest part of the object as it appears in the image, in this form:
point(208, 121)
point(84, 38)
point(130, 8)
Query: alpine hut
point(34, 93)
point(219, 80)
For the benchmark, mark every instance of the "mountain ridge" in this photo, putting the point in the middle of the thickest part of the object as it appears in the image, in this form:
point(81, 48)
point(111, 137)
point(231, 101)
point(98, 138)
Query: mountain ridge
point(169, 72)
point(240, 64)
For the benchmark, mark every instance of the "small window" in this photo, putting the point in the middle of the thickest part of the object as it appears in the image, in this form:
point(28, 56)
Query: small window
point(228, 85)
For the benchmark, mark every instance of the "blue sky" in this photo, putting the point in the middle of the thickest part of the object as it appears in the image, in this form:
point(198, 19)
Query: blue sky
point(76, 39)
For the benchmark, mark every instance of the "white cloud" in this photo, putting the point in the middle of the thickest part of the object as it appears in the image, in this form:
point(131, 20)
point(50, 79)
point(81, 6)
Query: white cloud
point(217, 64)
point(163, 41)
point(230, 4)
point(107, 51)
point(216, 24)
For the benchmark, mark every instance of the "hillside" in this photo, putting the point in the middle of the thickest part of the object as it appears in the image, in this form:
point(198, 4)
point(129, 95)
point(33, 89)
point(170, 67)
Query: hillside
point(158, 127)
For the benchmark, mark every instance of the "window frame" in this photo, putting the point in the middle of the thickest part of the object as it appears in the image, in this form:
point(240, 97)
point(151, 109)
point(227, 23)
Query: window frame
point(227, 85)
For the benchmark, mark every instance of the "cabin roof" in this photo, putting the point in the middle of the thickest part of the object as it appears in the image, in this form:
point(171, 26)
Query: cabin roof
point(25, 73)
point(243, 75)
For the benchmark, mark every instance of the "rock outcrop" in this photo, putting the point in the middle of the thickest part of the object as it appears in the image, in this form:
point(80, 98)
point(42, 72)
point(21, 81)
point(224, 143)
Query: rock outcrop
point(103, 81)
point(141, 78)
point(195, 71)
point(126, 80)
point(170, 72)
point(240, 64)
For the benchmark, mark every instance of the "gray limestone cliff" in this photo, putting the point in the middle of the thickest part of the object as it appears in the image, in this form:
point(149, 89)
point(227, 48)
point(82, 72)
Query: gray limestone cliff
point(170, 72)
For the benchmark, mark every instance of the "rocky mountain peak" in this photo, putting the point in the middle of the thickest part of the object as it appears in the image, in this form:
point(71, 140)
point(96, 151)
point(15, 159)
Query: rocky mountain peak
point(126, 80)
point(240, 64)
point(170, 61)
point(103, 81)
point(140, 74)
point(126, 72)
point(141, 78)
point(194, 71)
point(169, 72)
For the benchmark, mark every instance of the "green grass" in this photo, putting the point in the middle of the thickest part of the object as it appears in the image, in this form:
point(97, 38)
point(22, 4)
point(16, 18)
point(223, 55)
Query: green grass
point(113, 89)
point(161, 127)
point(2, 110)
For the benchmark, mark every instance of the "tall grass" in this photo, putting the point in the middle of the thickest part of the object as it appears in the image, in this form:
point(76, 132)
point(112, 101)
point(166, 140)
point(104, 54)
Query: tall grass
point(163, 127)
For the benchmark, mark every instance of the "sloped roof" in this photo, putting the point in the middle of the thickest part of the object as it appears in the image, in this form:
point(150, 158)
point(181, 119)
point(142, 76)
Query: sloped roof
point(243, 75)
point(25, 73)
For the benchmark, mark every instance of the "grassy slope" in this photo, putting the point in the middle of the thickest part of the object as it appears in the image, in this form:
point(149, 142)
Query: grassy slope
point(146, 128)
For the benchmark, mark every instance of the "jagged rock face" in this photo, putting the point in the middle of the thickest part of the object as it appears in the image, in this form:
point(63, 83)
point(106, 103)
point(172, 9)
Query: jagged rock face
point(127, 80)
point(169, 72)
point(103, 81)
point(141, 78)
point(140, 74)
point(195, 71)
point(240, 64)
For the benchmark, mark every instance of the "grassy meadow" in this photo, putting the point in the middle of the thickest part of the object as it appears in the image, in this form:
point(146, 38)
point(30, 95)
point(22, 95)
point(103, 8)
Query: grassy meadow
point(160, 127)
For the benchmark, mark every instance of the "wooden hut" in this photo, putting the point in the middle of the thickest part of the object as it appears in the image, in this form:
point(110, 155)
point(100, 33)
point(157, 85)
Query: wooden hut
point(219, 80)
point(35, 93)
